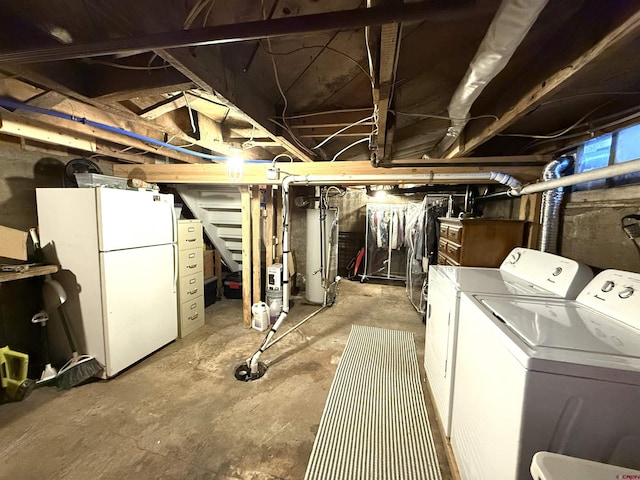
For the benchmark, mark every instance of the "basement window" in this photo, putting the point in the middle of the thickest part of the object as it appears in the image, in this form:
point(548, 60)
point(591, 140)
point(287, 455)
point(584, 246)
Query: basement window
point(617, 147)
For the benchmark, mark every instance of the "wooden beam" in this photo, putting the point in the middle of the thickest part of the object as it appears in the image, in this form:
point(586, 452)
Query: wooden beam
point(10, 124)
point(255, 244)
point(53, 130)
point(512, 160)
point(268, 226)
point(626, 31)
point(255, 174)
point(207, 70)
point(47, 100)
point(238, 32)
point(530, 213)
point(389, 50)
point(80, 106)
point(166, 106)
point(113, 85)
point(245, 199)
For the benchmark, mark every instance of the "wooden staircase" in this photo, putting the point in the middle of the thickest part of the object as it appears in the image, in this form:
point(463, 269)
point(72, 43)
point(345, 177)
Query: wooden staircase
point(220, 211)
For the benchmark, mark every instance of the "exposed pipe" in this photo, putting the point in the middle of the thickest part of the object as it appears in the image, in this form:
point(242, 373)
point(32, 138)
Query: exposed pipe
point(551, 202)
point(252, 369)
point(102, 126)
point(277, 27)
point(508, 29)
point(596, 174)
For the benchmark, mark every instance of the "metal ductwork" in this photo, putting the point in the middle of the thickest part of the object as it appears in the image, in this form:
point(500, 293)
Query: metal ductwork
point(551, 203)
point(509, 27)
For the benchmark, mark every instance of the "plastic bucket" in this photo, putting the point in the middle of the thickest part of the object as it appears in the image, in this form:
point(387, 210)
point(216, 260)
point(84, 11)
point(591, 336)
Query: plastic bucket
point(274, 301)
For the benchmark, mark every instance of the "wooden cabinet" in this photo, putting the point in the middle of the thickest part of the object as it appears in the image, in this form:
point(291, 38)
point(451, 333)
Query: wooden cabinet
point(477, 242)
point(190, 277)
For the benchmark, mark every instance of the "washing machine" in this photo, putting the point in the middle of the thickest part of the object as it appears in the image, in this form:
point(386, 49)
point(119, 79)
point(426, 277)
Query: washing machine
point(552, 466)
point(543, 374)
point(524, 272)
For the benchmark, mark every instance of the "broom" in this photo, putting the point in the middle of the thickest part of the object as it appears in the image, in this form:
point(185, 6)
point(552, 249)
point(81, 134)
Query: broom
point(79, 368)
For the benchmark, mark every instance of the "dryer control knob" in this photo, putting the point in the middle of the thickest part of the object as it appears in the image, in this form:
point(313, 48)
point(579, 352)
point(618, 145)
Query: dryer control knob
point(514, 258)
point(557, 271)
point(626, 292)
point(608, 286)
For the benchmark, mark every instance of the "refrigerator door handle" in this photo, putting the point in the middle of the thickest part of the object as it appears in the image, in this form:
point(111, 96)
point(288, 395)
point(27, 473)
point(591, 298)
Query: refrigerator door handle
point(174, 223)
point(175, 266)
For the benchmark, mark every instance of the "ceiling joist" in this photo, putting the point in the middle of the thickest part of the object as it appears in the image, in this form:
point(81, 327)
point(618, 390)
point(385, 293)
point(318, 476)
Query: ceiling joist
point(255, 174)
point(625, 32)
point(222, 34)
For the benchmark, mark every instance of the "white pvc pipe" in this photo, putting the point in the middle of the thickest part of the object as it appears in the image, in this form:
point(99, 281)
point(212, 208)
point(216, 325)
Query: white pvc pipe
point(426, 178)
point(596, 174)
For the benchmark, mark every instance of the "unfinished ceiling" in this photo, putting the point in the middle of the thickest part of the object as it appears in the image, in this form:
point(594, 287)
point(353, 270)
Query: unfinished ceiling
point(219, 77)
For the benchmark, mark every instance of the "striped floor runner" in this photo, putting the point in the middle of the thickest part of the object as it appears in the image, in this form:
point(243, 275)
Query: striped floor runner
point(374, 424)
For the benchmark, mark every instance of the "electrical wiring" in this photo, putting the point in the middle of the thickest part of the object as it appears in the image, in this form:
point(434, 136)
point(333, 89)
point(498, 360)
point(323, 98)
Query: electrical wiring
point(588, 94)
point(440, 117)
point(324, 47)
point(195, 12)
point(206, 17)
point(282, 94)
point(280, 155)
point(369, 57)
point(325, 197)
point(558, 133)
point(635, 114)
point(335, 134)
point(328, 112)
point(191, 119)
point(357, 142)
point(124, 66)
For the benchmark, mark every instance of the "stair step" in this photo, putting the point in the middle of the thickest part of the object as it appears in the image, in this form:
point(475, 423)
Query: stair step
point(224, 217)
point(234, 245)
point(217, 206)
point(230, 232)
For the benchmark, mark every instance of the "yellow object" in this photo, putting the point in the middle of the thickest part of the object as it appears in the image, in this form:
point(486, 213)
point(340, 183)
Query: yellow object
point(13, 370)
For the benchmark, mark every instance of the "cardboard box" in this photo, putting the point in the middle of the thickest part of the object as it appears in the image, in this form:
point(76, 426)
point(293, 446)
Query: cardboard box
point(208, 264)
point(13, 243)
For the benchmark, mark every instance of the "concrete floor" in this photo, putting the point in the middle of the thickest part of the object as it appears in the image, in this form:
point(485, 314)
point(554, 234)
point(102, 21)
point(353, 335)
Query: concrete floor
point(180, 413)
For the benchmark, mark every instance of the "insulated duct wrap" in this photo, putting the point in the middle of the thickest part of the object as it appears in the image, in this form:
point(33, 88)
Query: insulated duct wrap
point(551, 202)
point(509, 27)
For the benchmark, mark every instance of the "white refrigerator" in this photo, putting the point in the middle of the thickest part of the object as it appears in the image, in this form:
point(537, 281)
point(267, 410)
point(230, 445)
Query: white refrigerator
point(118, 259)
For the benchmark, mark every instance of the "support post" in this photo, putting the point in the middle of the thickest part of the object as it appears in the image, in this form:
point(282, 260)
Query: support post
point(255, 244)
point(245, 197)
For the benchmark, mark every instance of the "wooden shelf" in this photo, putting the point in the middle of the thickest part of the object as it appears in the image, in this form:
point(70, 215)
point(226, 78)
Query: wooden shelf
point(36, 271)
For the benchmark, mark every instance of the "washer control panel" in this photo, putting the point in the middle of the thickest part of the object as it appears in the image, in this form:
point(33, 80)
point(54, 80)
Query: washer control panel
point(613, 292)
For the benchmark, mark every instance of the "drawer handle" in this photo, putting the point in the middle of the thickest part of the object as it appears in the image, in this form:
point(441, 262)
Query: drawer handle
point(191, 239)
point(193, 305)
point(193, 280)
point(193, 317)
point(191, 292)
point(193, 265)
point(192, 255)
